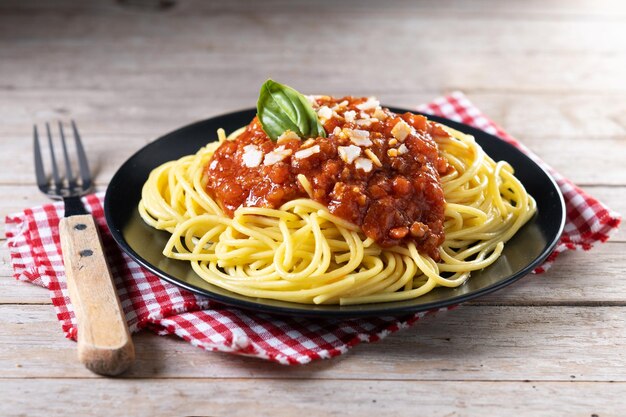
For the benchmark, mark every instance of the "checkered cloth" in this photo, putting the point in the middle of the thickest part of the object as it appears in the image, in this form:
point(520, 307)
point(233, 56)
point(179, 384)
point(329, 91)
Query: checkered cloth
point(148, 302)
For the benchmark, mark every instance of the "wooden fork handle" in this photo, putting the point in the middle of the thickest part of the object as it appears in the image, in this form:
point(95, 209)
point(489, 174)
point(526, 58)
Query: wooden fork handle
point(104, 343)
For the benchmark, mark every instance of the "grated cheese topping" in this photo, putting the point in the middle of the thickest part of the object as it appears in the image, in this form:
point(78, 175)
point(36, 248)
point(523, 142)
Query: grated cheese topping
point(286, 135)
point(305, 153)
point(350, 116)
point(370, 104)
point(364, 164)
point(325, 113)
point(276, 155)
point(380, 114)
point(349, 153)
point(359, 137)
point(401, 130)
point(252, 156)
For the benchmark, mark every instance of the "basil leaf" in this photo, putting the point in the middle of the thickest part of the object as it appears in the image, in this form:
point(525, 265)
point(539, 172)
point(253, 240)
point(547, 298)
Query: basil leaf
point(281, 108)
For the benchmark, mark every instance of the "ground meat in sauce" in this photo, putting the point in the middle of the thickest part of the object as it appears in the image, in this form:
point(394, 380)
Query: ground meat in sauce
point(398, 202)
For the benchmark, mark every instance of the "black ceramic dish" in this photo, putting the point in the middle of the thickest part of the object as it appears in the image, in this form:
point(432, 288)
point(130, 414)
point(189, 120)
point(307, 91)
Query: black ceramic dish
point(526, 250)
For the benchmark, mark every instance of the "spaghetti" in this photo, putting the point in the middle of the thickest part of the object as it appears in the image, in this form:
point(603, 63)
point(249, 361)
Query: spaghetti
point(301, 252)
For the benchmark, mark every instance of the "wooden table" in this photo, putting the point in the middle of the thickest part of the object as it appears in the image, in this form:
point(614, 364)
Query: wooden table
point(552, 73)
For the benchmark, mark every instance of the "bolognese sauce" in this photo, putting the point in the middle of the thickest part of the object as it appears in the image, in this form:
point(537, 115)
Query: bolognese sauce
point(376, 169)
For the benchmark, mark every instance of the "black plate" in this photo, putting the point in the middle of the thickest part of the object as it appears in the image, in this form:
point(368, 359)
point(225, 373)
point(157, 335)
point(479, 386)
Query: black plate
point(526, 250)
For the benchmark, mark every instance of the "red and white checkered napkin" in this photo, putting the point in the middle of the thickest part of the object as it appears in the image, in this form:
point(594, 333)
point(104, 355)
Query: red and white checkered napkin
point(148, 302)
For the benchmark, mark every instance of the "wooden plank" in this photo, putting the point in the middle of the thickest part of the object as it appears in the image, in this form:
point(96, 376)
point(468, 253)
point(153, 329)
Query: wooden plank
point(555, 127)
point(116, 113)
point(5, 264)
point(108, 152)
point(257, 48)
point(63, 397)
point(573, 280)
point(534, 9)
point(141, 70)
point(470, 343)
point(558, 35)
point(545, 116)
point(567, 283)
point(24, 196)
point(525, 116)
point(18, 292)
point(580, 162)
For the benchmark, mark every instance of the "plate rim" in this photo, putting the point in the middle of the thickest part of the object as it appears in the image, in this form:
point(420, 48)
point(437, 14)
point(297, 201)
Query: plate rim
point(301, 310)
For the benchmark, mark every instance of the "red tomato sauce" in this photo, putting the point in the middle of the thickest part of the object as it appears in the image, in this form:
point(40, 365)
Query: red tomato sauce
point(399, 200)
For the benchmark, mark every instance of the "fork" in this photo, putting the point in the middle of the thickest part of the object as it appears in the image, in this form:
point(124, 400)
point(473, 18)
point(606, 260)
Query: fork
point(104, 342)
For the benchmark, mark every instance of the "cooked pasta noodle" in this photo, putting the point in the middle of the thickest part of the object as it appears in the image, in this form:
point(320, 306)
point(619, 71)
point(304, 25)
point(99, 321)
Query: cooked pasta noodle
point(302, 253)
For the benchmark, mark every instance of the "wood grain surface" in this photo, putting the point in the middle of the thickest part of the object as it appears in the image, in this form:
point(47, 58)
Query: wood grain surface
point(104, 343)
point(551, 73)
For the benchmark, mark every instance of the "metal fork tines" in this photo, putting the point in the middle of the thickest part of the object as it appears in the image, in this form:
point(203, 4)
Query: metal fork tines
point(58, 186)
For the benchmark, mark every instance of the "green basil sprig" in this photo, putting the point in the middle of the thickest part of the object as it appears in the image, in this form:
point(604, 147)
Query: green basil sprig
point(281, 108)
